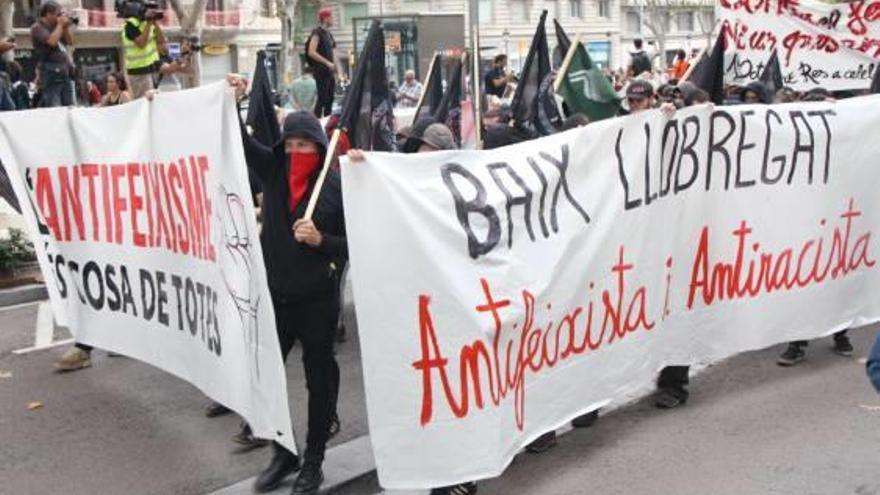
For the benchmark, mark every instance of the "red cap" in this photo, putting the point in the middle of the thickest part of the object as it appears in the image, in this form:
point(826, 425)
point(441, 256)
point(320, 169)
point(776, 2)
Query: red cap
point(324, 13)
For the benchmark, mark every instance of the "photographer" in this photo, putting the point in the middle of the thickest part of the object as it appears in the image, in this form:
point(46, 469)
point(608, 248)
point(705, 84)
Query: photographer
point(143, 41)
point(51, 37)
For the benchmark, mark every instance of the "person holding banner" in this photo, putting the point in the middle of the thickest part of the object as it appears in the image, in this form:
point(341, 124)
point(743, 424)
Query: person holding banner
point(873, 365)
point(302, 252)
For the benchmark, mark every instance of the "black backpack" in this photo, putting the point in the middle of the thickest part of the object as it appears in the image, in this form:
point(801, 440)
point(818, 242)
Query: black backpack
point(640, 63)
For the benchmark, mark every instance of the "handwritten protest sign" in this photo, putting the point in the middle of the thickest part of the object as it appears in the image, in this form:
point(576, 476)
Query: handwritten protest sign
point(146, 235)
point(513, 290)
point(834, 46)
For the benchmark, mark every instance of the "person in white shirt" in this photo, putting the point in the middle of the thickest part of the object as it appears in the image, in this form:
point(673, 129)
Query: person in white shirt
point(410, 91)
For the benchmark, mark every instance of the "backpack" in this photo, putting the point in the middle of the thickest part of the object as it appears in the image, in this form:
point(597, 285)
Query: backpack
point(640, 63)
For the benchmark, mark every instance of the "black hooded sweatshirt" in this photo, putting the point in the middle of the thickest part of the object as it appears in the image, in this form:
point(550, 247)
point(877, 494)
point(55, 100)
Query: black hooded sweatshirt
point(295, 271)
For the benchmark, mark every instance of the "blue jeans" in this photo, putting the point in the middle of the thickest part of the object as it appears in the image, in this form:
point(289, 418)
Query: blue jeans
point(57, 88)
point(873, 366)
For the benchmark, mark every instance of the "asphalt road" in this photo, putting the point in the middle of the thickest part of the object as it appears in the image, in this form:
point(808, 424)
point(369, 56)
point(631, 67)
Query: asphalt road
point(125, 427)
point(749, 428)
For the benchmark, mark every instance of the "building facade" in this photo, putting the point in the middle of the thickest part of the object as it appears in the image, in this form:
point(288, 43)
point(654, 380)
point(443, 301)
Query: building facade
point(231, 33)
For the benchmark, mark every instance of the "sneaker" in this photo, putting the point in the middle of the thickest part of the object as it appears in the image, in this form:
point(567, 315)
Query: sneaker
point(468, 488)
point(585, 420)
point(542, 444)
point(309, 479)
point(73, 359)
point(792, 355)
point(843, 346)
point(666, 399)
point(335, 426)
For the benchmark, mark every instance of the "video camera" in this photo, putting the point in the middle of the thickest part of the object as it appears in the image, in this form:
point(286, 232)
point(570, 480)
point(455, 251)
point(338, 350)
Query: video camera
point(138, 9)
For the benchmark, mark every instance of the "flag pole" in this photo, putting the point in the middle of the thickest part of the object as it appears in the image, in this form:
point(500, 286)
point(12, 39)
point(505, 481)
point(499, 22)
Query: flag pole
point(427, 83)
point(697, 59)
point(316, 191)
point(560, 75)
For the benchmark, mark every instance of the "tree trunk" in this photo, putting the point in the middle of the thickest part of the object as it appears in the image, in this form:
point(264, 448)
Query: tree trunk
point(288, 65)
point(7, 9)
point(190, 27)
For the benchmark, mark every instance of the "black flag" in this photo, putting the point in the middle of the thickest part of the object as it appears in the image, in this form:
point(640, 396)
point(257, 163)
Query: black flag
point(708, 74)
point(449, 109)
point(6, 191)
point(563, 43)
point(261, 106)
point(367, 114)
point(771, 76)
point(432, 90)
point(875, 81)
point(529, 108)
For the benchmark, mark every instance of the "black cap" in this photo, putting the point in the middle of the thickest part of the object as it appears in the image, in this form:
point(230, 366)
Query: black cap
point(639, 90)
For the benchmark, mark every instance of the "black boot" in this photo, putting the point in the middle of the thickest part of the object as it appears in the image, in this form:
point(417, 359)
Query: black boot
point(283, 464)
point(309, 479)
point(245, 437)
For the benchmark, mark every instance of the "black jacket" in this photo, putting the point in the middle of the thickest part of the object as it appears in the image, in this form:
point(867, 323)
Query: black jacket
point(295, 271)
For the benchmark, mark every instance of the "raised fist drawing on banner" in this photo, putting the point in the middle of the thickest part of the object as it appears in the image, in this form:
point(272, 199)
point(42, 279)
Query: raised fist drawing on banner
point(237, 266)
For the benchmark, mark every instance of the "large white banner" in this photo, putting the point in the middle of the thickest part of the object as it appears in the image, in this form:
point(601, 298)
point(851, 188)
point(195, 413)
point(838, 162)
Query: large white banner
point(144, 226)
point(834, 46)
point(503, 293)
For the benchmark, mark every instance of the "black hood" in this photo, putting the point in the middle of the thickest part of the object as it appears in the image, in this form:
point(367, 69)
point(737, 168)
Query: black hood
point(304, 125)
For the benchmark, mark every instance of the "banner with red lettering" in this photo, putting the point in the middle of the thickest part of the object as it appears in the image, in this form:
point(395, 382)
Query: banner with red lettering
point(147, 238)
point(502, 293)
point(834, 46)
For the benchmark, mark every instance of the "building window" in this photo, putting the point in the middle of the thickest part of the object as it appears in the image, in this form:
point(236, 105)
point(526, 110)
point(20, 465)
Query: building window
point(633, 23)
point(352, 10)
point(485, 10)
point(707, 19)
point(574, 8)
point(309, 17)
point(604, 8)
point(684, 22)
point(519, 10)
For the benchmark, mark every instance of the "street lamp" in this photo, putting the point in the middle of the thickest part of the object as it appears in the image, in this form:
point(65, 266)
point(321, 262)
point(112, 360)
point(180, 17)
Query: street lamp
point(506, 37)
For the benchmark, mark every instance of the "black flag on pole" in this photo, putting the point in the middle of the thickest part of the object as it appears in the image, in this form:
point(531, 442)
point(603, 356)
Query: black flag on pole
point(533, 107)
point(432, 90)
point(708, 74)
point(367, 114)
point(261, 115)
point(449, 109)
point(771, 76)
point(563, 43)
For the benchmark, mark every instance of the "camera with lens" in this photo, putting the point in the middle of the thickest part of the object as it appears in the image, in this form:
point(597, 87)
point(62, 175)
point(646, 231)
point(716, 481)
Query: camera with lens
point(74, 19)
point(138, 9)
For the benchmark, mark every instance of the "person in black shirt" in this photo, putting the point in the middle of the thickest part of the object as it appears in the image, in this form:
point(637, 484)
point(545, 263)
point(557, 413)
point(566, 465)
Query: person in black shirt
point(320, 57)
point(51, 37)
point(496, 79)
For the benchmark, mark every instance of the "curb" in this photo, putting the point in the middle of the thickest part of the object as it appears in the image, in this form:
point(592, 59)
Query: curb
point(23, 294)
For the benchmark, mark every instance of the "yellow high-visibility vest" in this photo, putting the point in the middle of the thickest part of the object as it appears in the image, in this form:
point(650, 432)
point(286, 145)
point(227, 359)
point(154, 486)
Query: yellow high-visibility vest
point(135, 56)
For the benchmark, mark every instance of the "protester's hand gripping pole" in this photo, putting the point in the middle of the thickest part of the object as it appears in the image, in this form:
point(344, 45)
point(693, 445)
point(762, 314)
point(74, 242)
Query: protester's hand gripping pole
point(569, 55)
point(316, 191)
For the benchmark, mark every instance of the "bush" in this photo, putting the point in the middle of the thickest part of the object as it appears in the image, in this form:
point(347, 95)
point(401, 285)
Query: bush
point(15, 251)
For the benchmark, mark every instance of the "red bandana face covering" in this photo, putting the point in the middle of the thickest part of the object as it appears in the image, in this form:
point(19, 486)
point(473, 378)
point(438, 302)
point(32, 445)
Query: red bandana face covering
point(301, 167)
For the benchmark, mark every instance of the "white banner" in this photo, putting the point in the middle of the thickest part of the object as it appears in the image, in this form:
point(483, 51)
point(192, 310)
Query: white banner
point(819, 44)
point(147, 238)
point(500, 294)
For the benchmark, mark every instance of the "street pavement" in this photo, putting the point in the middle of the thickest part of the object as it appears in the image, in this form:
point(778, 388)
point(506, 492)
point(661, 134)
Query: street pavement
point(125, 427)
point(751, 427)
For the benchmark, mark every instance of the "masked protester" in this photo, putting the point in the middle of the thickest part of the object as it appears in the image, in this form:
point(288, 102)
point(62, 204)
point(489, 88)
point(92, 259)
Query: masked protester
point(301, 257)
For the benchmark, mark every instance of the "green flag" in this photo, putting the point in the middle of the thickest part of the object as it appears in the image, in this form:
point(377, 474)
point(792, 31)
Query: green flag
point(586, 90)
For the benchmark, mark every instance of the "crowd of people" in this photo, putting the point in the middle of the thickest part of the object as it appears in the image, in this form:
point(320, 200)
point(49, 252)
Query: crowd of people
point(304, 258)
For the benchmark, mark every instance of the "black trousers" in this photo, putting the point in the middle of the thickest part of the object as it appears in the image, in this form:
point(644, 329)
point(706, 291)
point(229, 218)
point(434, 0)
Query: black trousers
point(837, 336)
point(673, 379)
point(313, 324)
point(326, 84)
